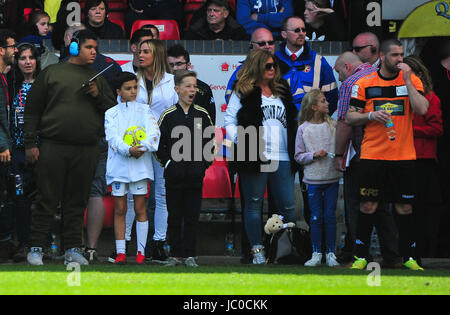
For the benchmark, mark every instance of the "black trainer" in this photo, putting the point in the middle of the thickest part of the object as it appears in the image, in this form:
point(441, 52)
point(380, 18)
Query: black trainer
point(158, 253)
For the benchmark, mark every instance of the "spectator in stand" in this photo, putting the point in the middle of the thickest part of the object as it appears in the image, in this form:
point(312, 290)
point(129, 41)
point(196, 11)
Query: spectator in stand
point(178, 58)
point(427, 129)
point(156, 88)
point(152, 28)
point(260, 86)
point(38, 24)
point(138, 36)
point(26, 69)
point(322, 23)
point(96, 20)
point(152, 10)
point(253, 14)
point(7, 54)
point(35, 31)
point(58, 12)
point(261, 38)
point(367, 47)
point(218, 24)
point(308, 69)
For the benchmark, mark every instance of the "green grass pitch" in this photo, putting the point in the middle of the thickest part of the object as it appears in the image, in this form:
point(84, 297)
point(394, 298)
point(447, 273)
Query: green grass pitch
point(217, 280)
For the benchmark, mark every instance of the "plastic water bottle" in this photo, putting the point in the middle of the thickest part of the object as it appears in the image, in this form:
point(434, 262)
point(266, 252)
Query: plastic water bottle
point(229, 246)
point(390, 131)
point(19, 185)
point(375, 244)
point(53, 246)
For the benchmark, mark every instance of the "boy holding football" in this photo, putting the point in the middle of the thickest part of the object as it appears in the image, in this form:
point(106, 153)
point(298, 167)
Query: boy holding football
point(132, 134)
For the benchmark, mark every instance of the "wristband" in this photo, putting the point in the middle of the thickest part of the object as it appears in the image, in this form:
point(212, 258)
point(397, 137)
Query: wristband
point(370, 116)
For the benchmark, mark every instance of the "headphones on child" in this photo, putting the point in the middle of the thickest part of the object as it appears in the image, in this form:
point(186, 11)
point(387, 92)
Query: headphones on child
point(74, 47)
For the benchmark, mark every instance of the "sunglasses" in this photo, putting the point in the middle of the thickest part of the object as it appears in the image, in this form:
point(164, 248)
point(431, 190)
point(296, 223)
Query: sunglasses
point(271, 65)
point(298, 30)
point(359, 48)
point(263, 43)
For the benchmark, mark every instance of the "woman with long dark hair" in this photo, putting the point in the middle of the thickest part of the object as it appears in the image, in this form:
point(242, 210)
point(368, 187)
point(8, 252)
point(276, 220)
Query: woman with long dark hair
point(26, 68)
point(261, 103)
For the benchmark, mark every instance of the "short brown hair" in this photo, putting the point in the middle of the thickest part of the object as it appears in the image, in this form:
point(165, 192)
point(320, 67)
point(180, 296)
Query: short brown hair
point(181, 74)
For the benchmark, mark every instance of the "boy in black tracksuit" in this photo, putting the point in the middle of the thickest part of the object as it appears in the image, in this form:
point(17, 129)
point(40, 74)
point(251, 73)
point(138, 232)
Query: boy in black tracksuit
point(186, 150)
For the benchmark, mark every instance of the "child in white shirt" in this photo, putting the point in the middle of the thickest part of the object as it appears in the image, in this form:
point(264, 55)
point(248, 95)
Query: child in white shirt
point(132, 133)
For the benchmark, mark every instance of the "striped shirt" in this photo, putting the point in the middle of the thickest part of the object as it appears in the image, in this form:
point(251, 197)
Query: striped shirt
point(346, 87)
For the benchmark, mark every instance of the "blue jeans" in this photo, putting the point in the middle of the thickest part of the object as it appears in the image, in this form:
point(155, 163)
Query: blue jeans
point(323, 201)
point(253, 189)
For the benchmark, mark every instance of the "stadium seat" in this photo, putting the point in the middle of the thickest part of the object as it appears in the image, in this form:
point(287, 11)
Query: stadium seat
point(216, 183)
point(119, 22)
point(168, 29)
point(116, 16)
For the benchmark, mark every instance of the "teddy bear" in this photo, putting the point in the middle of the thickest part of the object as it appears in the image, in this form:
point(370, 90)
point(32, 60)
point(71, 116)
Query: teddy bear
point(275, 224)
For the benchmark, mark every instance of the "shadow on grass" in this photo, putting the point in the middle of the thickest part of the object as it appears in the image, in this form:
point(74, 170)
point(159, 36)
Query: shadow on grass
point(221, 269)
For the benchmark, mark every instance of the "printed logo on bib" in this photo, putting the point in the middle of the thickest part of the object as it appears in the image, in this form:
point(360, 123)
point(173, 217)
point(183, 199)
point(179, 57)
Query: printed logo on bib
point(393, 107)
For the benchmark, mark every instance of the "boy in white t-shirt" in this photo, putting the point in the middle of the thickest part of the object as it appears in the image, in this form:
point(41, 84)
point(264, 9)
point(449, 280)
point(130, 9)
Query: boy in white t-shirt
point(132, 133)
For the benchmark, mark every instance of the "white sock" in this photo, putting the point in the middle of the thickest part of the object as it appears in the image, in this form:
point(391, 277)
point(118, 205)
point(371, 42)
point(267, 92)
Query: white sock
point(121, 247)
point(141, 233)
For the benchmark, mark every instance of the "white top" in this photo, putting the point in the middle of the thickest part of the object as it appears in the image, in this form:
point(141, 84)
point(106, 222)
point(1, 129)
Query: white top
point(274, 124)
point(120, 166)
point(163, 97)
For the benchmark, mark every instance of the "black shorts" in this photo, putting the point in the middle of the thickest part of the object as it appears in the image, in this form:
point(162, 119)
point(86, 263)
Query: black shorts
point(389, 181)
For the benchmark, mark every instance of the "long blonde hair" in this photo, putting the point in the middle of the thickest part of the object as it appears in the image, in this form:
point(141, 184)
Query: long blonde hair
point(160, 63)
point(307, 113)
point(253, 70)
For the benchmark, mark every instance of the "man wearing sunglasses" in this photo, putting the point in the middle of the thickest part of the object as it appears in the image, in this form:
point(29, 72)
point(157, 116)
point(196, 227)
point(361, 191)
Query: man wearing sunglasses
point(308, 69)
point(261, 38)
point(366, 46)
point(7, 50)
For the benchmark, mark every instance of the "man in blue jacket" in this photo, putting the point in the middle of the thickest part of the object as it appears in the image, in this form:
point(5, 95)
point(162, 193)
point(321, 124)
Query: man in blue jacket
point(253, 14)
point(308, 69)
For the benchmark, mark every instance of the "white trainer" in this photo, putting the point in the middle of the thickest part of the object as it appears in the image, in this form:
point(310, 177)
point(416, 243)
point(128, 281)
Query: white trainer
point(75, 255)
point(34, 257)
point(331, 260)
point(316, 260)
point(258, 255)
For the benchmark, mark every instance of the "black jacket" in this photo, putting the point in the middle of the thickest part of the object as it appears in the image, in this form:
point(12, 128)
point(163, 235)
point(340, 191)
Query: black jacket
point(251, 114)
point(200, 30)
point(190, 169)
point(108, 30)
